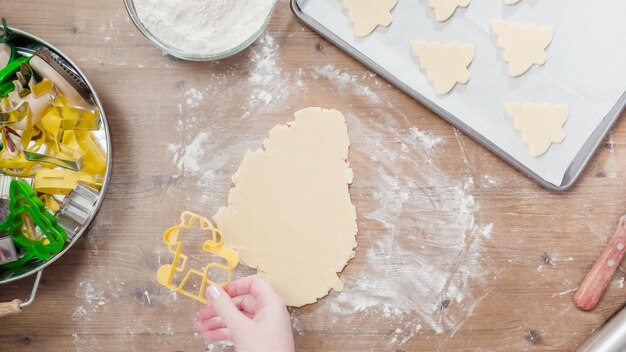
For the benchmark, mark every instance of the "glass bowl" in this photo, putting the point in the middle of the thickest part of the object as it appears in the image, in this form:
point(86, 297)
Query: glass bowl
point(132, 13)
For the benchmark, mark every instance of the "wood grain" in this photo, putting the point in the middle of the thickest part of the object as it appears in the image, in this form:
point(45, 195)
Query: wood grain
point(102, 295)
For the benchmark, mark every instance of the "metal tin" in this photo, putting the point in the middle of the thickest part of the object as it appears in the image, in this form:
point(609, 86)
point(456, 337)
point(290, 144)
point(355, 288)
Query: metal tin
point(27, 44)
point(575, 169)
point(132, 13)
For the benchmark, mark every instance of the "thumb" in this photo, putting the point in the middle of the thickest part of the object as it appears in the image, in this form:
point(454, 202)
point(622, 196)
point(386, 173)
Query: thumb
point(224, 306)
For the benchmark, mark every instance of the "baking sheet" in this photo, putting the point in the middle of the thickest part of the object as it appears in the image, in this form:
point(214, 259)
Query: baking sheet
point(586, 69)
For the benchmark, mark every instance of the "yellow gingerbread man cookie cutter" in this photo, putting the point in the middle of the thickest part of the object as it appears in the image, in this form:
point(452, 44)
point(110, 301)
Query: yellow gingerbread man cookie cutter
point(214, 245)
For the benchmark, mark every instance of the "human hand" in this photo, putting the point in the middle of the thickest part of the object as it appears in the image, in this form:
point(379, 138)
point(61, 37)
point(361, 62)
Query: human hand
point(250, 314)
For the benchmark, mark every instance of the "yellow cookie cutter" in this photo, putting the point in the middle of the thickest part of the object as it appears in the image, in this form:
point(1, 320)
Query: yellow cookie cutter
point(61, 181)
point(94, 159)
point(214, 245)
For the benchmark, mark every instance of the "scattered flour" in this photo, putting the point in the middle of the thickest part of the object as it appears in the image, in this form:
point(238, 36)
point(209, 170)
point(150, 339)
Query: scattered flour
point(218, 346)
point(428, 218)
point(446, 252)
point(265, 73)
point(187, 158)
point(296, 324)
point(193, 98)
point(566, 292)
point(343, 80)
point(79, 313)
point(421, 215)
point(85, 342)
point(90, 294)
point(427, 141)
point(147, 295)
point(402, 336)
point(489, 181)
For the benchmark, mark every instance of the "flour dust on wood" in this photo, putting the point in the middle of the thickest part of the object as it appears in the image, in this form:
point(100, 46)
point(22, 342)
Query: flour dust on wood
point(421, 263)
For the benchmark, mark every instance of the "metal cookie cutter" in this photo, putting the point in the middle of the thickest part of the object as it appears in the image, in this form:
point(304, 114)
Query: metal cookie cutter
point(214, 245)
point(74, 165)
point(5, 185)
point(8, 254)
point(76, 209)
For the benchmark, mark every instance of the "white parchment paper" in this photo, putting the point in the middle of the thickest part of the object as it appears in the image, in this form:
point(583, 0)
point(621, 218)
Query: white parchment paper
point(586, 67)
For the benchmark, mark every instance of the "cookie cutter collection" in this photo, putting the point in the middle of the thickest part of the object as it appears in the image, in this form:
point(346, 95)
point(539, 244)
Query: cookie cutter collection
point(51, 163)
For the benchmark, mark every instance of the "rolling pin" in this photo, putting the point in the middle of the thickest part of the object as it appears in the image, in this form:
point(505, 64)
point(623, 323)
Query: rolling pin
point(610, 338)
point(592, 287)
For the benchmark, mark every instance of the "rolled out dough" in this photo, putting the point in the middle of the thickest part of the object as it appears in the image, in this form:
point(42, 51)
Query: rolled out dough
point(289, 214)
point(366, 15)
point(540, 125)
point(511, 2)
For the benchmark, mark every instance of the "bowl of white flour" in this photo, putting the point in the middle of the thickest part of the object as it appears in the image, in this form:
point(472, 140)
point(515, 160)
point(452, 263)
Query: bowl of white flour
point(201, 30)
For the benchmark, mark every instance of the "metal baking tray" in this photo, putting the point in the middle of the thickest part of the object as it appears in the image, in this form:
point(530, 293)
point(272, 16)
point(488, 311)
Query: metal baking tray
point(27, 44)
point(575, 169)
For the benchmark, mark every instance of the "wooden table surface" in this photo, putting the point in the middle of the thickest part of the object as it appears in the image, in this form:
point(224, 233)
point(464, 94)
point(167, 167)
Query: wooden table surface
point(457, 251)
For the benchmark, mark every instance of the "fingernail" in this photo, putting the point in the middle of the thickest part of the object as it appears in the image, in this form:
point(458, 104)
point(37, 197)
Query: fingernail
point(213, 292)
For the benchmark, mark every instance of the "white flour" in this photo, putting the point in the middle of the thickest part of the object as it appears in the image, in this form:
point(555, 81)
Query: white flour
point(203, 27)
point(265, 72)
point(344, 80)
point(429, 219)
point(188, 158)
point(427, 141)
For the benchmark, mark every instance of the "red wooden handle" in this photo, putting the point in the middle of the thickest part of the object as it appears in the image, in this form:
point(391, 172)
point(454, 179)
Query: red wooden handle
point(593, 286)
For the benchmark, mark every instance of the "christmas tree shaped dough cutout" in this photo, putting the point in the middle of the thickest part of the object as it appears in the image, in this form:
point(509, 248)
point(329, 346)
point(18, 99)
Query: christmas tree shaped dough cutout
point(444, 9)
point(522, 45)
point(511, 2)
point(540, 125)
point(366, 15)
point(289, 214)
point(445, 64)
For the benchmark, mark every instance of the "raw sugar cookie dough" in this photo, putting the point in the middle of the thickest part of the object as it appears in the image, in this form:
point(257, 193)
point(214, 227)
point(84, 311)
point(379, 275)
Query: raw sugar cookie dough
point(444, 9)
point(540, 125)
point(366, 15)
point(522, 45)
point(445, 64)
point(289, 214)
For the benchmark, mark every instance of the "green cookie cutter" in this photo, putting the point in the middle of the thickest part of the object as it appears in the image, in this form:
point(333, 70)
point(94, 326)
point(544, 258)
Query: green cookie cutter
point(13, 65)
point(24, 203)
point(5, 33)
